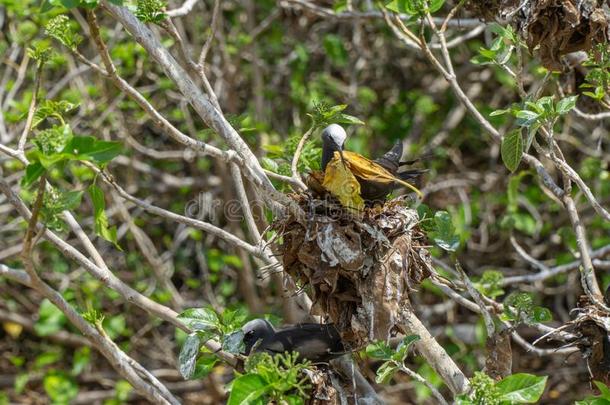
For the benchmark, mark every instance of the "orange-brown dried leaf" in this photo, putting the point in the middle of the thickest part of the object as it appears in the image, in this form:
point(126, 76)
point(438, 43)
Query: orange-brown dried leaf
point(341, 183)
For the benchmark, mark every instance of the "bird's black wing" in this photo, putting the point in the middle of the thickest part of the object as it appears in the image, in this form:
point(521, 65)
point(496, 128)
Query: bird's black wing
point(314, 342)
point(391, 159)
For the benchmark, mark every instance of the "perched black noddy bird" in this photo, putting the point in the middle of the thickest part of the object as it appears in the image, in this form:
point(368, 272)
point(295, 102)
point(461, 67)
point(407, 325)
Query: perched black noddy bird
point(333, 140)
point(315, 342)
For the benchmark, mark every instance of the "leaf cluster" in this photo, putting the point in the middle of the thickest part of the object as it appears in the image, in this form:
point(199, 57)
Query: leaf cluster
point(519, 307)
point(501, 49)
point(415, 7)
point(323, 114)
point(278, 379)
point(602, 399)
point(60, 28)
point(206, 323)
point(439, 227)
point(393, 358)
point(151, 11)
point(531, 115)
point(515, 389)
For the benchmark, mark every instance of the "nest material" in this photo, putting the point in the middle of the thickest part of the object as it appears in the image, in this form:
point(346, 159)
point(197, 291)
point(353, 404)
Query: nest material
point(325, 390)
point(552, 28)
point(357, 269)
point(592, 326)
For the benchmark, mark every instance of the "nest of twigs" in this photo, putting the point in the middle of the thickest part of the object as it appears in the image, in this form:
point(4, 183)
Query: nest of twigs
point(357, 267)
point(592, 329)
point(551, 28)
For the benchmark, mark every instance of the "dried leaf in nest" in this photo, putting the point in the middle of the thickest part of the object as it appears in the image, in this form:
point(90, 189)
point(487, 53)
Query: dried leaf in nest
point(323, 391)
point(357, 270)
point(340, 246)
point(491, 10)
point(592, 327)
point(552, 28)
point(558, 27)
point(499, 360)
point(314, 182)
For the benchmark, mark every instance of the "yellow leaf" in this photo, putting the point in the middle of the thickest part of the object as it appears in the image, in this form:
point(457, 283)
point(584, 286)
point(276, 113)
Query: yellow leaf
point(368, 170)
point(12, 329)
point(341, 183)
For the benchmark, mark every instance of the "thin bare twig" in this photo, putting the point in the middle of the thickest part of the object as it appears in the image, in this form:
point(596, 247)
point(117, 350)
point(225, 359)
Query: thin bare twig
point(183, 10)
point(295, 159)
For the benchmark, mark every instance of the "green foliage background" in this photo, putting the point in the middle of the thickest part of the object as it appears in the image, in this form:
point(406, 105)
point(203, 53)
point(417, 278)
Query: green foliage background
point(274, 68)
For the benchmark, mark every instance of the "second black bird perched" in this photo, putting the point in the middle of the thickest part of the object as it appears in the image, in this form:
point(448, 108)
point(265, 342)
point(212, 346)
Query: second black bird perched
point(333, 140)
point(315, 342)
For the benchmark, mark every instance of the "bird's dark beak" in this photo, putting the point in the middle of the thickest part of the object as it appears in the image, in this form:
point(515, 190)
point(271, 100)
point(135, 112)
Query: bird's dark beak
point(340, 150)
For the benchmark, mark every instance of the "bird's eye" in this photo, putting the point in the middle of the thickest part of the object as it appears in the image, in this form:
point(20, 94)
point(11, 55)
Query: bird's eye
point(249, 333)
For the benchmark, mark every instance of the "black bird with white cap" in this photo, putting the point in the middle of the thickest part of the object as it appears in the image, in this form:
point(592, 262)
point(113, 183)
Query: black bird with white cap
point(333, 140)
point(318, 343)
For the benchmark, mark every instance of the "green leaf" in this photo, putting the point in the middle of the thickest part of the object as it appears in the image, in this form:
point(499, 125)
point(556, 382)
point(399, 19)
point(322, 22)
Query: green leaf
point(490, 283)
point(565, 105)
point(59, 28)
point(435, 5)
point(90, 148)
point(531, 135)
point(151, 11)
point(403, 347)
point(522, 388)
point(71, 199)
point(188, 355)
point(463, 400)
point(526, 117)
point(70, 3)
point(32, 172)
point(100, 218)
point(50, 108)
point(46, 6)
point(411, 7)
point(205, 364)
point(233, 319)
point(512, 150)
point(50, 319)
point(593, 401)
point(546, 105)
point(47, 358)
point(498, 112)
point(348, 119)
point(82, 357)
point(541, 314)
point(60, 387)
point(57, 144)
point(122, 389)
point(603, 389)
point(519, 307)
point(115, 326)
point(444, 232)
point(21, 381)
point(233, 342)
point(379, 350)
point(201, 319)
point(248, 389)
point(385, 372)
point(53, 140)
point(415, 7)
